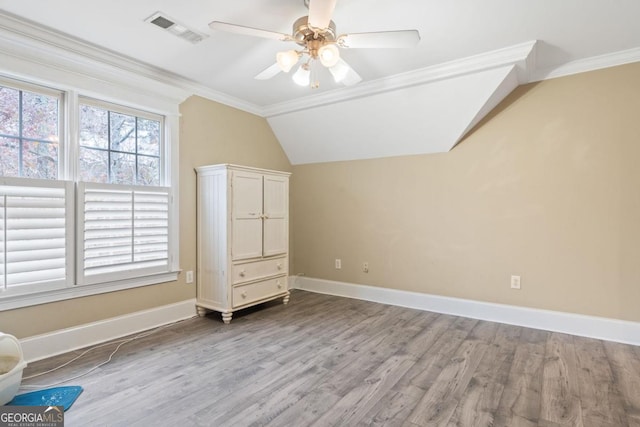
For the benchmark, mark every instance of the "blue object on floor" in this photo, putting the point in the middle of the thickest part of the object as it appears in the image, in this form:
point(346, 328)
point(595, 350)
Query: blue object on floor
point(57, 396)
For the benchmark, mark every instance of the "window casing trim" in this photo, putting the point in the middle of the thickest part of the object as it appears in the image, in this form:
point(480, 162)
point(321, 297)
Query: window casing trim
point(30, 87)
point(45, 297)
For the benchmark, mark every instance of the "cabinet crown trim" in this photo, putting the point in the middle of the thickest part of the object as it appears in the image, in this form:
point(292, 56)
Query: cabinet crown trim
point(228, 166)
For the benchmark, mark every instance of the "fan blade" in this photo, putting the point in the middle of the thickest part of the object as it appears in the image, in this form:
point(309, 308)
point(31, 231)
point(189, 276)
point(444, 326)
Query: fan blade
point(343, 73)
point(249, 31)
point(351, 78)
point(268, 72)
point(320, 13)
point(382, 39)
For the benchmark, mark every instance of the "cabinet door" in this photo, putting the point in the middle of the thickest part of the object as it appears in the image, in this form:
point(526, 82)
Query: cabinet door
point(246, 215)
point(276, 220)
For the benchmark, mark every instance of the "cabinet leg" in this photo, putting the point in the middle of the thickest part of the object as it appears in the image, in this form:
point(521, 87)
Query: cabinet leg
point(201, 311)
point(285, 300)
point(226, 318)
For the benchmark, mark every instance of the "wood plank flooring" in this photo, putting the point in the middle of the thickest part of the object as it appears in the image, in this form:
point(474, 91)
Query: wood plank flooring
point(330, 361)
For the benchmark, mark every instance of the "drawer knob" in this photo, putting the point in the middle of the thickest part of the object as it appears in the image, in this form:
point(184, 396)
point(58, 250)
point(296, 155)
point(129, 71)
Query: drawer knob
point(279, 284)
point(243, 294)
point(279, 265)
point(241, 273)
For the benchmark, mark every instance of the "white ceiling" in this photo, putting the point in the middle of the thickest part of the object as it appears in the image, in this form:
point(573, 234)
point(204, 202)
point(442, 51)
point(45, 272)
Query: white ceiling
point(569, 34)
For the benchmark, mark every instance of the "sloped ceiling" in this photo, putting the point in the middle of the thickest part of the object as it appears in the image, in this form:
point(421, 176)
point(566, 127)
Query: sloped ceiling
point(422, 100)
point(426, 118)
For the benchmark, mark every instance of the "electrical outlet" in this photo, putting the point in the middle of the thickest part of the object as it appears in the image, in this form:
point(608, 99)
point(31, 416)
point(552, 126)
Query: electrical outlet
point(515, 282)
point(338, 263)
point(189, 278)
point(365, 267)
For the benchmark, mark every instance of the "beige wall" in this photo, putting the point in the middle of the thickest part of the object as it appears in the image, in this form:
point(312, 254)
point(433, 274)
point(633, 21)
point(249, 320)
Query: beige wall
point(209, 133)
point(547, 188)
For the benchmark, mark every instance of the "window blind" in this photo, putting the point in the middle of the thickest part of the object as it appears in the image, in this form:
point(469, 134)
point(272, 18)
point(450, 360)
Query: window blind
point(124, 231)
point(35, 235)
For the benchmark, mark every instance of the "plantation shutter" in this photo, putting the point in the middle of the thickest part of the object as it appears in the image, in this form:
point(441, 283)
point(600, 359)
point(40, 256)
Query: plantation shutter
point(36, 229)
point(123, 231)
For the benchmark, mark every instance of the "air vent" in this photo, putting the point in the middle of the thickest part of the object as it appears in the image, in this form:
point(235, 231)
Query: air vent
point(161, 20)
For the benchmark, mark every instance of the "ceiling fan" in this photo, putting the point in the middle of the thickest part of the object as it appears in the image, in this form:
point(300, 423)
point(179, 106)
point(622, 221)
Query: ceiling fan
point(316, 35)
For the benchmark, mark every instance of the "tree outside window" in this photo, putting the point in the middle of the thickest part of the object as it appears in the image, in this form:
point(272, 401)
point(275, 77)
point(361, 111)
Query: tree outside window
point(118, 148)
point(29, 134)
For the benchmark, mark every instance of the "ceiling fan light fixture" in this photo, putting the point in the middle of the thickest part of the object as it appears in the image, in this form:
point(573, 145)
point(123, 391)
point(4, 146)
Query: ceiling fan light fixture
point(287, 59)
point(339, 71)
point(302, 76)
point(319, 43)
point(329, 55)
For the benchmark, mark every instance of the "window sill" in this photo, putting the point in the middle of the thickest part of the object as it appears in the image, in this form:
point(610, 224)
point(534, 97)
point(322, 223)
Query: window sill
point(19, 301)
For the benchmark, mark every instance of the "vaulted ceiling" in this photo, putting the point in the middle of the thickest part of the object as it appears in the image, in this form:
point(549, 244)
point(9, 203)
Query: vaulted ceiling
point(472, 53)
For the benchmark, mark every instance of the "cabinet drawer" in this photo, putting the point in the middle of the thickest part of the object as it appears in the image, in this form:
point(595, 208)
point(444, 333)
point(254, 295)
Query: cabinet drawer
point(252, 292)
point(251, 271)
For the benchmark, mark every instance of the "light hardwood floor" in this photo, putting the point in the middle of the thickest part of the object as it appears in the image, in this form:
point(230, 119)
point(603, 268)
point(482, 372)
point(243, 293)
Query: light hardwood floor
point(326, 360)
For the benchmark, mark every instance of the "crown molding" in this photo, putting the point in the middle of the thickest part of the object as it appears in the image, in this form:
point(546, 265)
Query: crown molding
point(27, 40)
point(517, 55)
point(35, 40)
point(589, 64)
point(21, 39)
point(520, 55)
point(223, 98)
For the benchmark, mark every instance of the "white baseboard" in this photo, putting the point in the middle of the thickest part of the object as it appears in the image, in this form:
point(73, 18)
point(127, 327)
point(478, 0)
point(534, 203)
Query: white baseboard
point(569, 323)
point(50, 344)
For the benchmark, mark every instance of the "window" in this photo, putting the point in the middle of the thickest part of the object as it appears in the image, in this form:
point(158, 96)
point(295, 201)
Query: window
point(29, 132)
point(119, 148)
point(109, 226)
point(123, 213)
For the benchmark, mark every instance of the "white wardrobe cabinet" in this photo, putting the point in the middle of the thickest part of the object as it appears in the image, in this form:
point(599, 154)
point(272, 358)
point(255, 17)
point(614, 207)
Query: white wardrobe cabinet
point(242, 237)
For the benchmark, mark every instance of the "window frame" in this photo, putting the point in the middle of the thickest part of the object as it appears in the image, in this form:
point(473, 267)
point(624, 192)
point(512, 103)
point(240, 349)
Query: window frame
point(22, 85)
point(120, 109)
point(69, 101)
